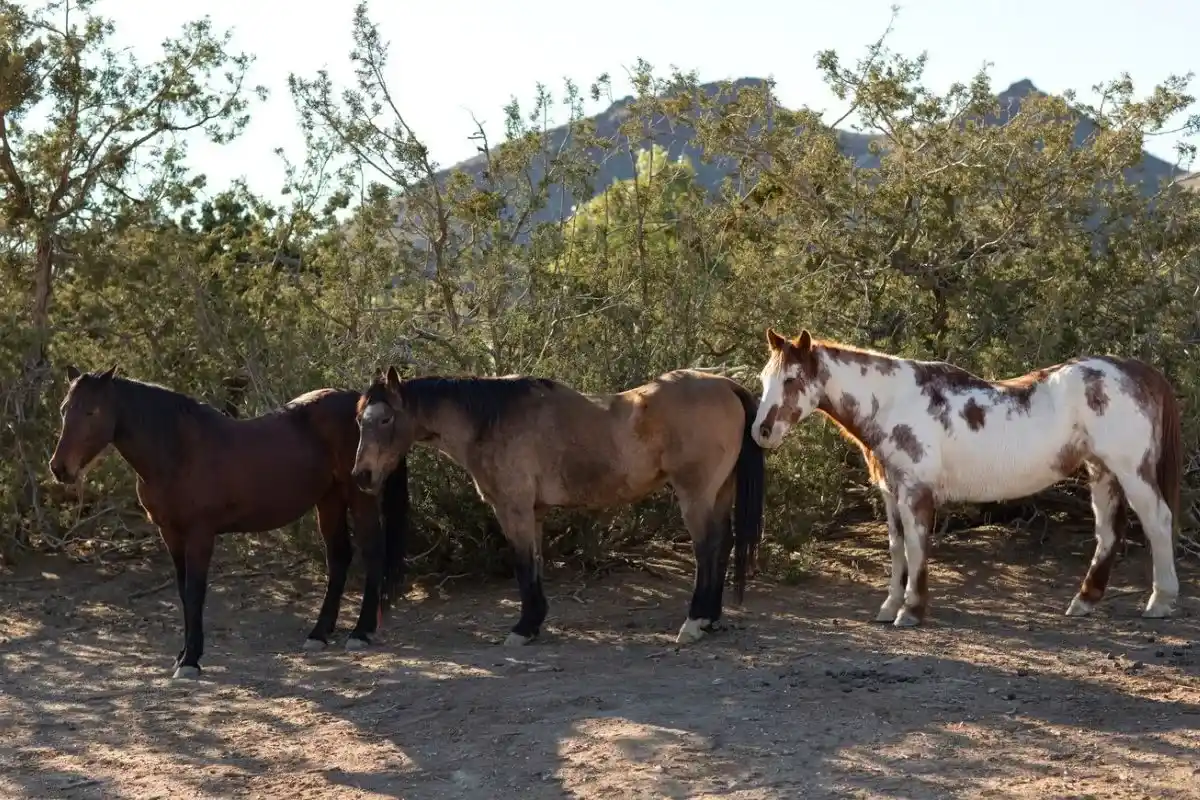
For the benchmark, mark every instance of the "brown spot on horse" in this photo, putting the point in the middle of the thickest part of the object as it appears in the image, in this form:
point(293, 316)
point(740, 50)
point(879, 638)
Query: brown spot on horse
point(1070, 458)
point(974, 414)
point(907, 442)
point(1093, 389)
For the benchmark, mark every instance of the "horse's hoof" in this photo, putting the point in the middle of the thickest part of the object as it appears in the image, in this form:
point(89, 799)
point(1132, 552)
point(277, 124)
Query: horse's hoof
point(354, 644)
point(906, 619)
point(691, 631)
point(314, 645)
point(1158, 608)
point(186, 673)
point(887, 613)
point(1079, 607)
point(515, 639)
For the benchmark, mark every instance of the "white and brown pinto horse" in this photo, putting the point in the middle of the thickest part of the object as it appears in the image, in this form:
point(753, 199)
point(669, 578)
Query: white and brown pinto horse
point(933, 433)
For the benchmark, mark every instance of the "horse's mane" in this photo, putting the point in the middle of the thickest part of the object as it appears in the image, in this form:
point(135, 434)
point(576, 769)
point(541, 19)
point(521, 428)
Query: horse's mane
point(836, 346)
point(156, 411)
point(485, 401)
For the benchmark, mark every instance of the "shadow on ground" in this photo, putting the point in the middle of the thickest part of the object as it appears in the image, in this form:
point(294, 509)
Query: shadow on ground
point(800, 695)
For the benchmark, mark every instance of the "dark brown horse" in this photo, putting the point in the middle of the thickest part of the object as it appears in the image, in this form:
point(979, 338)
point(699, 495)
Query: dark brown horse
point(532, 444)
point(201, 473)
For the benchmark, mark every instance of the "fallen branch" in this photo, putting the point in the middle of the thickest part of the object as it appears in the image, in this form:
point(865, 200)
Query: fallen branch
point(152, 590)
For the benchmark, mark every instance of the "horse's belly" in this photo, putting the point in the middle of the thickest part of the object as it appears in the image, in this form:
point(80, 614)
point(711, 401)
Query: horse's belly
point(998, 473)
point(269, 498)
point(599, 486)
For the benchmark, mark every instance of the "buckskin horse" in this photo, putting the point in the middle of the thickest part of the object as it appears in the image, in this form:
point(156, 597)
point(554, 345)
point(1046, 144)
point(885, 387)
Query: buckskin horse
point(932, 433)
point(532, 444)
point(201, 473)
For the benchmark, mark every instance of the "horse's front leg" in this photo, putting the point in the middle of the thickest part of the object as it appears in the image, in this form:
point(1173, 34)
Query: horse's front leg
point(198, 550)
point(895, 596)
point(339, 551)
point(369, 532)
point(916, 507)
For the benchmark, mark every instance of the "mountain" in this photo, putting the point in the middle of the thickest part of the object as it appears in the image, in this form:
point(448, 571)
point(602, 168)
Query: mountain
point(617, 164)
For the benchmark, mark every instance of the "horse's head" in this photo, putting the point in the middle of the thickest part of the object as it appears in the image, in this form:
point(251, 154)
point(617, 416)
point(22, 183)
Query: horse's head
point(89, 422)
point(791, 388)
point(386, 432)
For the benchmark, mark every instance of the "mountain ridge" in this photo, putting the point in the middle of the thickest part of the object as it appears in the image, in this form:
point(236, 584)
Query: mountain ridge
point(617, 163)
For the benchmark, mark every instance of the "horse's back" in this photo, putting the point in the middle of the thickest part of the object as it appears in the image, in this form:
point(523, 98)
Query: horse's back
point(312, 430)
point(601, 450)
point(329, 414)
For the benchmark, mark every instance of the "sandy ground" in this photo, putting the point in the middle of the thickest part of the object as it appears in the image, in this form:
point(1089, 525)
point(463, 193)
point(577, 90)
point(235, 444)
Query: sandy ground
point(801, 696)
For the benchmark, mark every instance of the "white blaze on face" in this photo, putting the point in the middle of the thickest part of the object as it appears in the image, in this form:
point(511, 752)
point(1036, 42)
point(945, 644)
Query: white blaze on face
point(770, 434)
point(374, 411)
point(371, 417)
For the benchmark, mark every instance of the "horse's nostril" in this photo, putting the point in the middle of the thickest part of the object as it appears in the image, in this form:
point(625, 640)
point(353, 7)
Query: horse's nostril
point(764, 431)
point(363, 478)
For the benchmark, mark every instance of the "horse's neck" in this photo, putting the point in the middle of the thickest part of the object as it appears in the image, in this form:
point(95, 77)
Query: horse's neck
point(440, 429)
point(146, 456)
point(153, 454)
point(868, 378)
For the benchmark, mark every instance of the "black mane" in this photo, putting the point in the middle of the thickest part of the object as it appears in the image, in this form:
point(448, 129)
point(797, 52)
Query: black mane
point(485, 401)
point(154, 412)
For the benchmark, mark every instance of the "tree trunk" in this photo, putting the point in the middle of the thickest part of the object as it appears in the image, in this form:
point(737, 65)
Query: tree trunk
point(40, 317)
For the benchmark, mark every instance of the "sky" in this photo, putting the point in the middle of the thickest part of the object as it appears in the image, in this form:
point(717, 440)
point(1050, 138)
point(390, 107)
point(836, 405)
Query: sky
point(454, 58)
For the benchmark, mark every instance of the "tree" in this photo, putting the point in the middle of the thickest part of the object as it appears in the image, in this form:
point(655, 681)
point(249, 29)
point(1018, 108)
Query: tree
point(87, 131)
point(460, 237)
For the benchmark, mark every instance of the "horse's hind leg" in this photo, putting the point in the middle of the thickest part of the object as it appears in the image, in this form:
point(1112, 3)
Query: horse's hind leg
point(916, 507)
point(523, 529)
point(723, 558)
point(723, 515)
point(708, 533)
point(1109, 510)
point(339, 551)
point(1148, 503)
point(174, 543)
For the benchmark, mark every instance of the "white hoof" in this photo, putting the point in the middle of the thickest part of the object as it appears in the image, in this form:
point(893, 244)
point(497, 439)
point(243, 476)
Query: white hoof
point(906, 619)
point(313, 645)
point(354, 645)
point(1159, 607)
point(889, 610)
point(515, 639)
point(186, 673)
point(691, 631)
point(1079, 607)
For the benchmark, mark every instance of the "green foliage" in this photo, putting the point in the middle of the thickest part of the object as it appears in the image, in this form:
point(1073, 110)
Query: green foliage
point(997, 246)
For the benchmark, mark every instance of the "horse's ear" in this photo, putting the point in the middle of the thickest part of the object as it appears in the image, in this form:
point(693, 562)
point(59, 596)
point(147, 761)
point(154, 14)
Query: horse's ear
point(72, 373)
point(109, 373)
point(775, 341)
point(803, 342)
point(392, 381)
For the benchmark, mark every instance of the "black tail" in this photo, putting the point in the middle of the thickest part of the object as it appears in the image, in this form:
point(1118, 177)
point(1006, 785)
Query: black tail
point(748, 504)
point(394, 507)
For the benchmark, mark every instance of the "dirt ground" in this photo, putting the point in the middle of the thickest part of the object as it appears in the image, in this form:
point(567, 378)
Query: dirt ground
point(801, 696)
